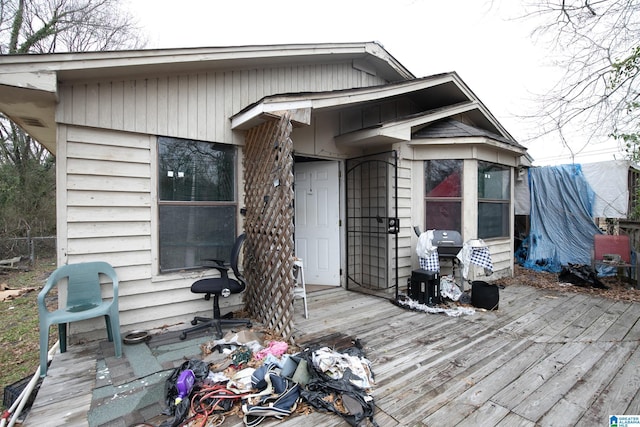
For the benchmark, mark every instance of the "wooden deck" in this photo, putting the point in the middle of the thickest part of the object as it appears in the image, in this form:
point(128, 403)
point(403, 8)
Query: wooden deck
point(544, 358)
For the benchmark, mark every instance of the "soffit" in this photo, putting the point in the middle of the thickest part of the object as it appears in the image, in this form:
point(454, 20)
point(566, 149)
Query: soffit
point(428, 92)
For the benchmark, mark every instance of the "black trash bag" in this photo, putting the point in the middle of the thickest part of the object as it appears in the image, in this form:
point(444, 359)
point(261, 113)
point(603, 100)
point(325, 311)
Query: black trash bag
point(201, 371)
point(580, 275)
point(321, 392)
point(357, 350)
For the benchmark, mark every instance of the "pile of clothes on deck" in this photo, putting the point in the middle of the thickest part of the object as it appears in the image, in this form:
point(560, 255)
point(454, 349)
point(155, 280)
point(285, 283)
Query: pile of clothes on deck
point(260, 382)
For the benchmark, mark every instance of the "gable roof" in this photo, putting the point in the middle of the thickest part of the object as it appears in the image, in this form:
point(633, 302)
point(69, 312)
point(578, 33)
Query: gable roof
point(439, 96)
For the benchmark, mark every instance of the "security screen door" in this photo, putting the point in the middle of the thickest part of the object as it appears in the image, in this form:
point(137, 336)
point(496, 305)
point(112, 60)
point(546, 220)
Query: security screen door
point(372, 224)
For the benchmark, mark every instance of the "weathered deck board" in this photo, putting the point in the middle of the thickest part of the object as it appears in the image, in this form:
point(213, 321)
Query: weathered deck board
point(544, 358)
point(484, 383)
point(615, 398)
point(538, 402)
point(514, 420)
point(66, 398)
point(579, 399)
point(558, 320)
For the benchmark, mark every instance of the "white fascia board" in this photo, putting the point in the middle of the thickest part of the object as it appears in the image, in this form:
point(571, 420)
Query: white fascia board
point(247, 118)
point(78, 65)
point(43, 80)
point(467, 140)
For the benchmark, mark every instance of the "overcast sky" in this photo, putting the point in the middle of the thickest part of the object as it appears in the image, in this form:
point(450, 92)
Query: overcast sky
point(491, 52)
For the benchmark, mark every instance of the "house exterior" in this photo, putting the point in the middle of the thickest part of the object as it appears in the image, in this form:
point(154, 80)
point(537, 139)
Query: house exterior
point(152, 171)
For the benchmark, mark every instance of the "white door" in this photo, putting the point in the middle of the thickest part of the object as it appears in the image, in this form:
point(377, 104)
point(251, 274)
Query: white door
point(318, 221)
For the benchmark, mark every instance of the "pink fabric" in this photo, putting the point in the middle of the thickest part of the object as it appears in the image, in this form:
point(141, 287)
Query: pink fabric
point(276, 348)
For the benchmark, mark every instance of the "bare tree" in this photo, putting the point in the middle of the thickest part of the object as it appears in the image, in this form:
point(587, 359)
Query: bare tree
point(48, 26)
point(596, 43)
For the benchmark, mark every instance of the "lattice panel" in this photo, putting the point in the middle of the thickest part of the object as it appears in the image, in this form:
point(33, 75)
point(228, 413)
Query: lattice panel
point(269, 248)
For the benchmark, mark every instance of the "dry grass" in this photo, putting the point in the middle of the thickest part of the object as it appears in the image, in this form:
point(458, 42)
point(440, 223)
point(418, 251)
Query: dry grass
point(19, 357)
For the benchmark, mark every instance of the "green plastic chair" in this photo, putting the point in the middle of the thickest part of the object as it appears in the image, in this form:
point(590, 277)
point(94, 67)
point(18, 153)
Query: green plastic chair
point(84, 301)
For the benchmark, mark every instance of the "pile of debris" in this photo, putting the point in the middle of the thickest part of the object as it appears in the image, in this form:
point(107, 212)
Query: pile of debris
point(617, 288)
point(258, 382)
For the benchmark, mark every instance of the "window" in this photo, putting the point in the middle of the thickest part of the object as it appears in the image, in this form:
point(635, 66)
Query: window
point(443, 194)
point(197, 202)
point(494, 190)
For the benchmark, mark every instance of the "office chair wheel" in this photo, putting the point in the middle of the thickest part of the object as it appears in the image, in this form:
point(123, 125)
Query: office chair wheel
point(183, 336)
point(194, 322)
point(249, 325)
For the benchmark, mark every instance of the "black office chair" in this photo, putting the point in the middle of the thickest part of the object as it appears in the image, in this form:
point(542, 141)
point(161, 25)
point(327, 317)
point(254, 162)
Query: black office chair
point(220, 286)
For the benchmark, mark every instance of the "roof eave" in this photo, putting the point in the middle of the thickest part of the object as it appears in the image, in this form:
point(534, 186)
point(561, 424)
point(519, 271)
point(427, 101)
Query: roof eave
point(254, 114)
point(469, 140)
point(92, 65)
point(31, 102)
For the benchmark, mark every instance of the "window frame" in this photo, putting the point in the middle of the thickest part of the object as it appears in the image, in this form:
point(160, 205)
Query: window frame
point(459, 200)
point(225, 204)
point(503, 202)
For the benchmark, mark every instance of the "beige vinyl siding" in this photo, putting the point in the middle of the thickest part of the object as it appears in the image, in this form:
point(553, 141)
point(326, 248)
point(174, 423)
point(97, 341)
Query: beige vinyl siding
point(501, 258)
point(404, 238)
point(92, 158)
point(108, 217)
point(195, 106)
point(106, 205)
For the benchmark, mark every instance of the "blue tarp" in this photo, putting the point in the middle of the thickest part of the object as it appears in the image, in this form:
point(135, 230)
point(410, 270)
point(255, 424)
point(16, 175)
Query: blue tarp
point(562, 226)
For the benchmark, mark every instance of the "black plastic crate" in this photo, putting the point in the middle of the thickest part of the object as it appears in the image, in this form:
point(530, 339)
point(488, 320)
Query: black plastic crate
point(12, 392)
point(424, 287)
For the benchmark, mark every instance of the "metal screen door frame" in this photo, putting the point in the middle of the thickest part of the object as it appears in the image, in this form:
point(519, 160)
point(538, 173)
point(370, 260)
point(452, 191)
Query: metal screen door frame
point(372, 223)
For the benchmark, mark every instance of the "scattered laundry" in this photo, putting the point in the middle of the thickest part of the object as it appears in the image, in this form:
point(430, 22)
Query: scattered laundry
point(258, 383)
point(275, 348)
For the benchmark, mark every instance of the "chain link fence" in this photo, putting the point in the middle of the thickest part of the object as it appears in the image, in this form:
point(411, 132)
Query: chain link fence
point(28, 248)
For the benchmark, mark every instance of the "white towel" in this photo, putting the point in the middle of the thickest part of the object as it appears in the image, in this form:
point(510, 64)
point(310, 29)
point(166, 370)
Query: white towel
point(425, 247)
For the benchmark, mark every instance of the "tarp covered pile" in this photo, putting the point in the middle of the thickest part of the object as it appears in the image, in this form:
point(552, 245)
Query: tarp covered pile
point(562, 226)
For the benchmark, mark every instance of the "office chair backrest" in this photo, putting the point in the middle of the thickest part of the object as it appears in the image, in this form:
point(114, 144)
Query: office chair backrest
point(235, 256)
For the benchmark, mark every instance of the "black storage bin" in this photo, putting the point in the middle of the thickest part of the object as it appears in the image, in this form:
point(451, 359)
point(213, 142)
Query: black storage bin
point(12, 392)
point(424, 287)
point(484, 295)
